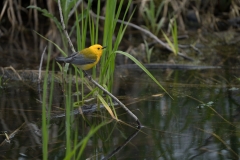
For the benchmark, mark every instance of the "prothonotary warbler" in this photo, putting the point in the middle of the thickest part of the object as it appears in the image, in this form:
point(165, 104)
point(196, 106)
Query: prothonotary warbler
point(86, 58)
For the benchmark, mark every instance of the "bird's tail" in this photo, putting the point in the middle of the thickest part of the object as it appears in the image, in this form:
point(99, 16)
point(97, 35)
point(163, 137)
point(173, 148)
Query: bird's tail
point(61, 59)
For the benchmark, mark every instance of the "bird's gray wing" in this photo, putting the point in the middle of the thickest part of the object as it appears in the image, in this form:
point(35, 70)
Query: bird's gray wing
point(80, 59)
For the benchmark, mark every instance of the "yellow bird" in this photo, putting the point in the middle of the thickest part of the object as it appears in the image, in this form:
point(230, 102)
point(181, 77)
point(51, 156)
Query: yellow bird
point(86, 58)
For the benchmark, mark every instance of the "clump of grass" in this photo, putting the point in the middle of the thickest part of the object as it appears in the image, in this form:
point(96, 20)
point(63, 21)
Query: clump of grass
point(174, 45)
point(151, 15)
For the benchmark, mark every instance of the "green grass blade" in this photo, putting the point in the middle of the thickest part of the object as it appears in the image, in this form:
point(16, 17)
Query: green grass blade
point(175, 36)
point(143, 68)
point(171, 45)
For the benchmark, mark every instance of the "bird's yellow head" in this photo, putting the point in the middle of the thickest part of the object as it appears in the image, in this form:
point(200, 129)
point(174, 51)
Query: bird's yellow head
point(97, 49)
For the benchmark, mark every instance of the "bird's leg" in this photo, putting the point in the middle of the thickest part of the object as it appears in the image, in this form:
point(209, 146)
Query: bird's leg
point(86, 75)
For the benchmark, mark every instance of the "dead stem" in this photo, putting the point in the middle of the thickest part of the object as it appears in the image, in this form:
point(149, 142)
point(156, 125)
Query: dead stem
point(40, 66)
point(3, 9)
point(64, 27)
point(10, 67)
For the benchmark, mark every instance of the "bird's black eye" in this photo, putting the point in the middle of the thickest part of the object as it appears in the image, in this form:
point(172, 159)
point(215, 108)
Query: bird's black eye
point(98, 48)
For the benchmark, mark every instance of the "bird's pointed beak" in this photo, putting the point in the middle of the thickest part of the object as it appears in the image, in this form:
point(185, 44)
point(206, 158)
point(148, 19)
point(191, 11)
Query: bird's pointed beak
point(104, 47)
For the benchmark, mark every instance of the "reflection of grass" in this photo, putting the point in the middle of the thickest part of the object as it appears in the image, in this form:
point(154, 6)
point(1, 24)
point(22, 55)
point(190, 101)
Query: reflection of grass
point(3, 82)
point(222, 141)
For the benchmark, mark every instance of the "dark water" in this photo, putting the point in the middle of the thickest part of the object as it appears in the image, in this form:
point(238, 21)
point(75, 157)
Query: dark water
point(200, 121)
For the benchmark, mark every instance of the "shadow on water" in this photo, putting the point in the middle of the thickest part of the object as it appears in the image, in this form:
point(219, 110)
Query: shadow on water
point(200, 122)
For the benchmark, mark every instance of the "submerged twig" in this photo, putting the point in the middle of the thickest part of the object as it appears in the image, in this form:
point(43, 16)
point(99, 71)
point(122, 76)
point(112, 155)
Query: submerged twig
point(10, 136)
point(196, 49)
point(90, 78)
